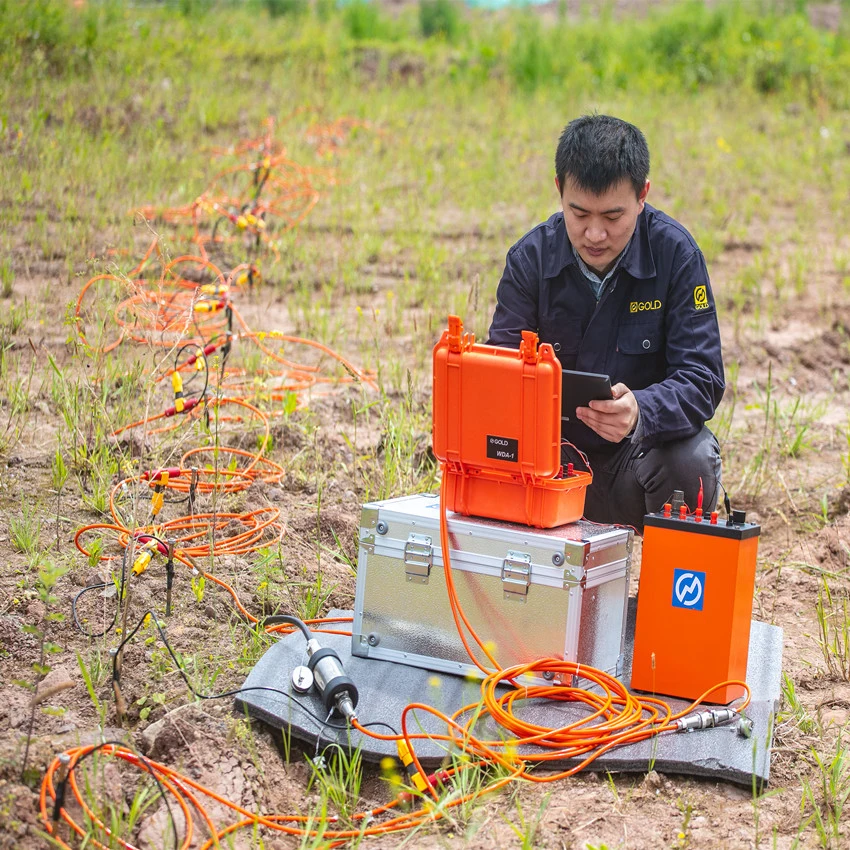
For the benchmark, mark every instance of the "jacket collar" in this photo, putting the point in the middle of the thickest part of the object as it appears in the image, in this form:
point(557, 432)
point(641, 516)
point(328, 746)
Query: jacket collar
point(637, 259)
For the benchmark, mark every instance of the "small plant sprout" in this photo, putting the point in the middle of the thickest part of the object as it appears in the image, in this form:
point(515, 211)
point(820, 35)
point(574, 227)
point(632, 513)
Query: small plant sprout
point(48, 575)
point(833, 615)
point(338, 776)
point(198, 583)
point(59, 475)
point(25, 530)
point(827, 794)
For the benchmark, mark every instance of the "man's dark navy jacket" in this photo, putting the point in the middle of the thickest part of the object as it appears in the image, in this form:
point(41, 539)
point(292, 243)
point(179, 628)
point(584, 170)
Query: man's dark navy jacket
point(654, 328)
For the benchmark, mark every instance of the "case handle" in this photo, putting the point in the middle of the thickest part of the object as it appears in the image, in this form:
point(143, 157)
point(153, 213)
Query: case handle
point(528, 347)
point(457, 340)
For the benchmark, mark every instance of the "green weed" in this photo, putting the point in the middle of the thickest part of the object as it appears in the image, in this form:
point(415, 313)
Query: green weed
point(17, 398)
point(121, 814)
point(281, 8)
point(827, 795)
point(338, 775)
point(25, 530)
point(48, 575)
point(526, 829)
point(833, 618)
point(198, 584)
point(364, 20)
point(94, 672)
point(58, 475)
point(793, 710)
point(441, 18)
point(7, 279)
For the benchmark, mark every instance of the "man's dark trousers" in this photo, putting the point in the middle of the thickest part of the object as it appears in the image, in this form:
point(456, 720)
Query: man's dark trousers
point(631, 481)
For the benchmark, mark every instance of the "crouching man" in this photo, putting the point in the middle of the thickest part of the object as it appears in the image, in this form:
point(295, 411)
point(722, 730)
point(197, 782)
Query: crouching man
point(618, 287)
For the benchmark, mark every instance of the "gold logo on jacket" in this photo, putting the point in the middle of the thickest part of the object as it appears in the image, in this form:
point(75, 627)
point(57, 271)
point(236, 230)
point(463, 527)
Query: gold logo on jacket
point(701, 298)
point(643, 306)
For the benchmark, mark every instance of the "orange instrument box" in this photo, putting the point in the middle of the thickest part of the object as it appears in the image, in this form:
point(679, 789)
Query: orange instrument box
point(694, 607)
point(497, 431)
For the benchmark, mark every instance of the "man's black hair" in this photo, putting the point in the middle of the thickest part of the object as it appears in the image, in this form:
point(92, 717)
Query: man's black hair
point(598, 152)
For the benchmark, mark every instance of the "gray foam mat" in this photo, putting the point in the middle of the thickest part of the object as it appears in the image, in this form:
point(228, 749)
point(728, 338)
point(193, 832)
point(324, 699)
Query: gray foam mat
point(386, 688)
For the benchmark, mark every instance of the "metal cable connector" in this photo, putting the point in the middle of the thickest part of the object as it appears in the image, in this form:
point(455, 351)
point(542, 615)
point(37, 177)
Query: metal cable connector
point(706, 719)
point(345, 706)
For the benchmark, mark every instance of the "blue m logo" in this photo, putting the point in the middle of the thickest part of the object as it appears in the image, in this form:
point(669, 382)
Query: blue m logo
point(688, 589)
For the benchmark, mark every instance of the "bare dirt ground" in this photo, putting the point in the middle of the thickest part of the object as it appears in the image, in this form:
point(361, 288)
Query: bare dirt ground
point(803, 507)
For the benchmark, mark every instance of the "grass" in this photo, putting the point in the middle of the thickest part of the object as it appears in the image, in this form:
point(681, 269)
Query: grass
point(337, 775)
point(827, 795)
point(833, 619)
point(460, 112)
point(793, 709)
point(526, 827)
point(25, 530)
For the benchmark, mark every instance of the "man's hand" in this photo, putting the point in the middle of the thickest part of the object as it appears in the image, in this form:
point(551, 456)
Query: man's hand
point(612, 418)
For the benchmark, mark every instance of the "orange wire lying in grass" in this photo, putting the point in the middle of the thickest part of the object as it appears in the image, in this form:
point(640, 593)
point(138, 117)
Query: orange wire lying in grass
point(178, 311)
point(167, 314)
point(622, 719)
point(248, 198)
point(187, 793)
point(613, 718)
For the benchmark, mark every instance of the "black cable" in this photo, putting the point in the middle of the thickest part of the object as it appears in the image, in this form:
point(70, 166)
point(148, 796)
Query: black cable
point(195, 324)
point(148, 769)
point(136, 537)
point(727, 503)
point(234, 692)
point(215, 226)
point(260, 184)
point(286, 618)
point(380, 723)
point(100, 586)
point(78, 624)
point(139, 534)
point(223, 694)
point(194, 374)
point(175, 501)
point(166, 300)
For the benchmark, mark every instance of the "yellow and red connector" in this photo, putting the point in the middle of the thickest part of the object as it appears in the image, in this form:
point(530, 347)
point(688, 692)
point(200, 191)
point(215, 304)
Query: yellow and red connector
point(415, 777)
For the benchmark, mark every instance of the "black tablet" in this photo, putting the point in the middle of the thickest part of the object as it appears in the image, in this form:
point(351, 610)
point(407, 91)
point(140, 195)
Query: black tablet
point(579, 388)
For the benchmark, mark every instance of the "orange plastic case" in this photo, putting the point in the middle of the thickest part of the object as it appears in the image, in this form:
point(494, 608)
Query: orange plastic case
point(497, 431)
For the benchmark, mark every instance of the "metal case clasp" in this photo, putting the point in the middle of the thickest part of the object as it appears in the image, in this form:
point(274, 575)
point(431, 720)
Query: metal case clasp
point(418, 557)
point(516, 575)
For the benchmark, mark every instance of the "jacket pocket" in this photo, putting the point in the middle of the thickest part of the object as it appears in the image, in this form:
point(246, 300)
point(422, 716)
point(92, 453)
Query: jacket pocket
point(564, 333)
point(641, 338)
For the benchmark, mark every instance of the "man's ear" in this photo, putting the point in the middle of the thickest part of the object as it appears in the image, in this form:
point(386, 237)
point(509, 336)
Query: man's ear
point(642, 195)
point(558, 187)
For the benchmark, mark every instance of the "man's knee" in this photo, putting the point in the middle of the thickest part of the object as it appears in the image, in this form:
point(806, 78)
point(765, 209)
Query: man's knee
point(687, 465)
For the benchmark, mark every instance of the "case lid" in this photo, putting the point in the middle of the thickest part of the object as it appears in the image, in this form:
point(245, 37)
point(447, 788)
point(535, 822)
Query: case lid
point(497, 408)
point(480, 544)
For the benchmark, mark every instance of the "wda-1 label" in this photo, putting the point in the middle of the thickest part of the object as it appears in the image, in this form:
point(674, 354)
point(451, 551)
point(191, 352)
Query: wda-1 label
point(502, 448)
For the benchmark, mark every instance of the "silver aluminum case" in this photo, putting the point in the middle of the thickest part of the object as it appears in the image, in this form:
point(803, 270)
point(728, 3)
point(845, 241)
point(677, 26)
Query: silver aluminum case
point(528, 592)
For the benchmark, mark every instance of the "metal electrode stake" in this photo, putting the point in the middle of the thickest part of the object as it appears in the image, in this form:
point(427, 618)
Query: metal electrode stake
point(120, 704)
point(169, 575)
point(193, 486)
point(60, 785)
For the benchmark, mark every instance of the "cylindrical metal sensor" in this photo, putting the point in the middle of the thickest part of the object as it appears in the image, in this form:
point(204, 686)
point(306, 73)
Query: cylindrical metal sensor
point(334, 686)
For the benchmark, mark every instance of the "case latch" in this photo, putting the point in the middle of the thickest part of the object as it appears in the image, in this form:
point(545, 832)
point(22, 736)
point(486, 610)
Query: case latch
point(516, 575)
point(418, 556)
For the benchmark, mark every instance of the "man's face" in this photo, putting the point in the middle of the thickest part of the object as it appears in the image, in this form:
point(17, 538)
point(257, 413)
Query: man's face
point(600, 226)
